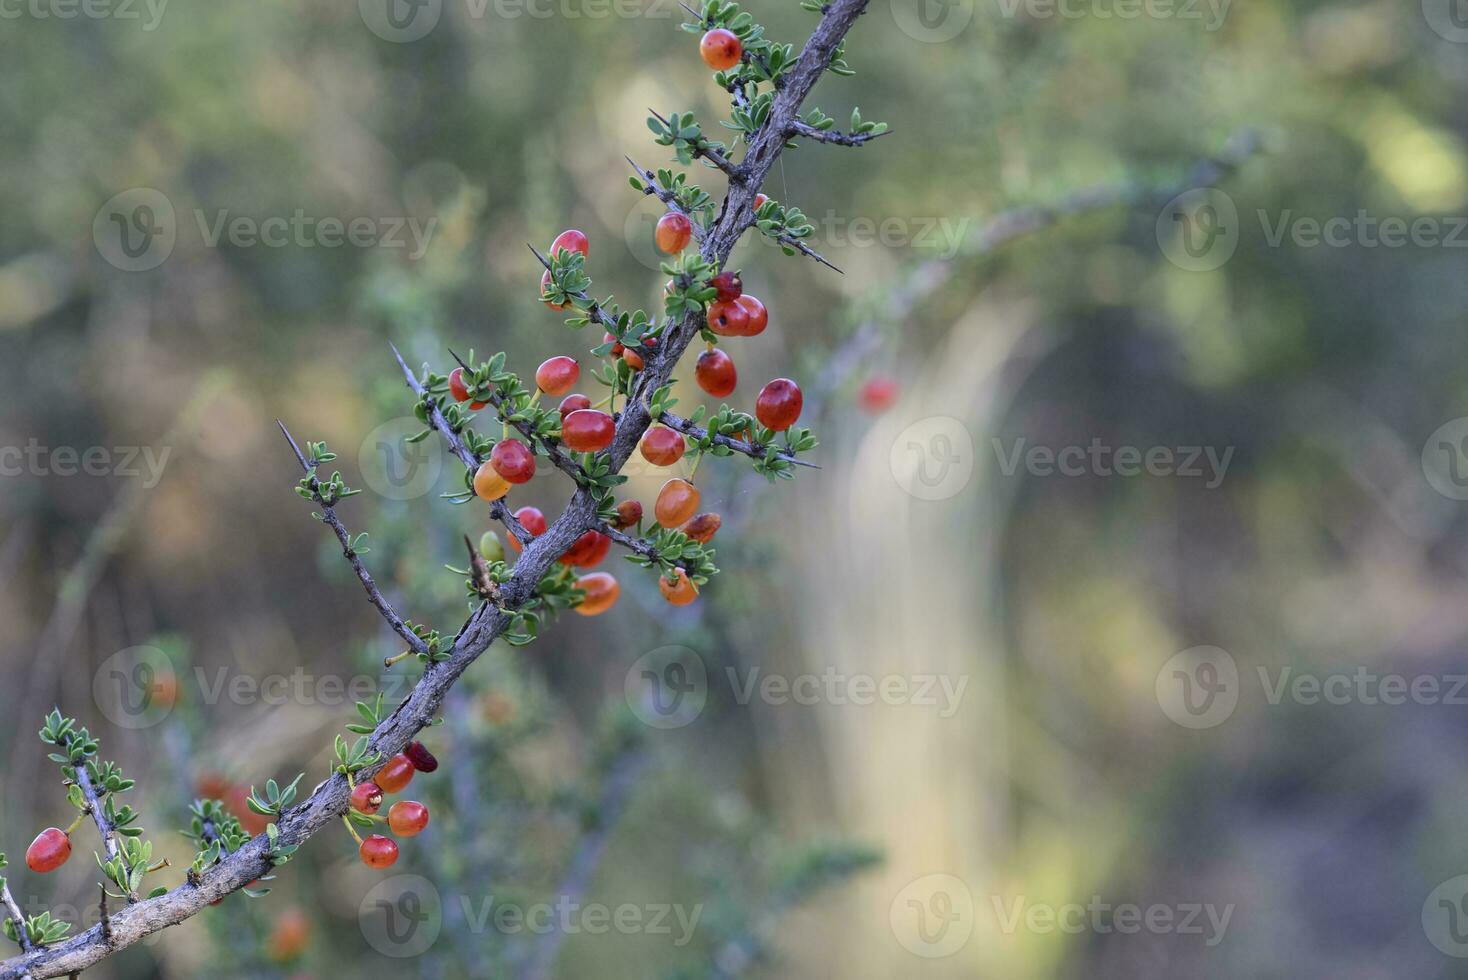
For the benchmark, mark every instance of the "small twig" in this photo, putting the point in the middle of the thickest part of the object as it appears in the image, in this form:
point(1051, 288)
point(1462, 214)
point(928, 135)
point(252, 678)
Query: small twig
point(594, 312)
point(832, 136)
point(16, 916)
point(752, 450)
point(732, 170)
point(105, 918)
point(666, 196)
point(99, 815)
point(374, 594)
point(807, 251)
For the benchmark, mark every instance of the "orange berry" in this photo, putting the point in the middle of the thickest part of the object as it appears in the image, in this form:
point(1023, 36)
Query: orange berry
point(49, 851)
point(673, 232)
point(289, 935)
point(629, 512)
point(407, 817)
point(661, 446)
point(557, 375)
point(677, 501)
point(721, 49)
point(703, 527)
point(601, 593)
point(396, 774)
point(681, 591)
point(488, 483)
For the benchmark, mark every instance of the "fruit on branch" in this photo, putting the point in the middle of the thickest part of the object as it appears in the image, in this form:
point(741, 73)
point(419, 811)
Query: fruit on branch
point(661, 446)
point(633, 359)
point(490, 546)
point(587, 551)
point(289, 936)
point(533, 521)
point(378, 851)
point(367, 797)
point(617, 347)
point(673, 232)
point(545, 281)
point(572, 241)
point(48, 851)
point(629, 512)
point(878, 394)
point(715, 373)
point(512, 460)
point(721, 49)
point(396, 774)
point(407, 817)
point(488, 483)
point(759, 201)
point(779, 404)
point(702, 527)
point(556, 376)
point(460, 391)
point(588, 430)
point(681, 591)
point(422, 759)
point(573, 403)
point(728, 286)
point(677, 502)
point(601, 593)
point(758, 315)
point(728, 319)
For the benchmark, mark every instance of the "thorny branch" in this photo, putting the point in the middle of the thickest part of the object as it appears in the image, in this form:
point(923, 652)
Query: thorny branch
point(329, 799)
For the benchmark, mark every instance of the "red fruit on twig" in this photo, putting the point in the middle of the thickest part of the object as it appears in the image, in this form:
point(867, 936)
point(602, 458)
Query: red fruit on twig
point(779, 404)
point(715, 373)
point(378, 851)
point(48, 851)
point(721, 49)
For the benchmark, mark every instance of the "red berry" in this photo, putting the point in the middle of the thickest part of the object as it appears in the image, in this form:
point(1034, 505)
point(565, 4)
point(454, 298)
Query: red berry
point(488, 483)
point(629, 512)
point(729, 286)
point(421, 758)
point(601, 593)
point(758, 315)
point(573, 403)
point(759, 201)
point(715, 373)
point(728, 319)
point(617, 347)
point(721, 49)
point(703, 527)
point(879, 394)
point(512, 460)
point(779, 404)
point(673, 232)
point(676, 503)
point(633, 359)
point(545, 281)
point(396, 774)
point(457, 388)
point(557, 375)
point(534, 522)
point(572, 241)
point(378, 851)
point(48, 851)
point(588, 550)
point(681, 591)
point(407, 817)
point(366, 797)
point(588, 430)
point(662, 446)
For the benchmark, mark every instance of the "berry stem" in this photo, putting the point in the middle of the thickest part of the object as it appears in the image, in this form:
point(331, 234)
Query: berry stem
point(346, 822)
